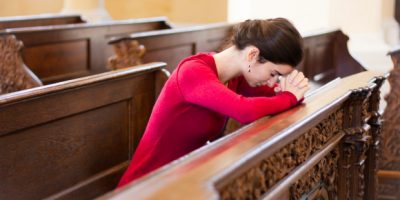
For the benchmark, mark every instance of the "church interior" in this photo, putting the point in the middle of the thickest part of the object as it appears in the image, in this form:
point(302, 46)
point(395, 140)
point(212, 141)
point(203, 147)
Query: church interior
point(80, 79)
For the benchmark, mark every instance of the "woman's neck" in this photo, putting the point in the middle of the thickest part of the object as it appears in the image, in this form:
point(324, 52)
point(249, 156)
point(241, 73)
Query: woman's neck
point(228, 64)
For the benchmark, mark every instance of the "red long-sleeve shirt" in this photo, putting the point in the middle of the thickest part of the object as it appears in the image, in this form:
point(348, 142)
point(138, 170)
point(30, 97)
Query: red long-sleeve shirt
point(192, 108)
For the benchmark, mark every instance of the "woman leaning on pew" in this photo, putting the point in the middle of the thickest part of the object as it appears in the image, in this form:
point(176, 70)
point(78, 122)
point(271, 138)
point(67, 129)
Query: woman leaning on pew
point(206, 89)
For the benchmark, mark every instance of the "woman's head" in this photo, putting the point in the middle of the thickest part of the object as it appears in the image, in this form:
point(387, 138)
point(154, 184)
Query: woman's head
point(277, 40)
point(273, 47)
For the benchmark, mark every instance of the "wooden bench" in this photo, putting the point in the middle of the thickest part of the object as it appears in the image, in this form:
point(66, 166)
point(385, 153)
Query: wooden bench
point(40, 20)
point(14, 74)
point(326, 54)
point(62, 52)
point(323, 149)
point(389, 162)
point(74, 139)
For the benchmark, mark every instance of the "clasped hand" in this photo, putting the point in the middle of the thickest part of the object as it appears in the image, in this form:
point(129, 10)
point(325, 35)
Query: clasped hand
point(295, 83)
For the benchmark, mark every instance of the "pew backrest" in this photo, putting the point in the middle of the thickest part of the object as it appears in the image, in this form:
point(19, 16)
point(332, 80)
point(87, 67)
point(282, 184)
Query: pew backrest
point(326, 54)
point(74, 139)
point(62, 52)
point(170, 46)
point(40, 20)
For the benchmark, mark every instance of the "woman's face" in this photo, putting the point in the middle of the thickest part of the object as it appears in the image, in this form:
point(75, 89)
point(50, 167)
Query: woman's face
point(266, 73)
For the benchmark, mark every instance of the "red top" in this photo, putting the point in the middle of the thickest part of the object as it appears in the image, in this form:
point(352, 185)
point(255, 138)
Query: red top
point(192, 108)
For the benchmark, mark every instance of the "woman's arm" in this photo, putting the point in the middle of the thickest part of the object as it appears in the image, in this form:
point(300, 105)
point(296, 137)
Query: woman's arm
point(200, 86)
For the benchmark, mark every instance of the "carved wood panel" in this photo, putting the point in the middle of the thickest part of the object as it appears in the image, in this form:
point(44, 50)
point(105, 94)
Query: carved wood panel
point(14, 75)
point(127, 53)
point(258, 179)
point(320, 183)
point(390, 136)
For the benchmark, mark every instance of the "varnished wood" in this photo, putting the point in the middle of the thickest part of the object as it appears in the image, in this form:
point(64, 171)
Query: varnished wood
point(326, 52)
point(202, 173)
point(14, 75)
point(171, 46)
point(61, 52)
point(73, 139)
point(128, 53)
point(390, 148)
point(40, 20)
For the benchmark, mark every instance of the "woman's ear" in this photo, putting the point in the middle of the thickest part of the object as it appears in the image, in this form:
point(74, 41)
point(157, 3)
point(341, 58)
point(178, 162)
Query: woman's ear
point(253, 54)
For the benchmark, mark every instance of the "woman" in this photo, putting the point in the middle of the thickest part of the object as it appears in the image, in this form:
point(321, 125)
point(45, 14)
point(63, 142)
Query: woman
point(205, 89)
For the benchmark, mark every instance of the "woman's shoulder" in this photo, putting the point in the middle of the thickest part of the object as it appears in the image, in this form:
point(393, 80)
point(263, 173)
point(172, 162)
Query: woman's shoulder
point(198, 62)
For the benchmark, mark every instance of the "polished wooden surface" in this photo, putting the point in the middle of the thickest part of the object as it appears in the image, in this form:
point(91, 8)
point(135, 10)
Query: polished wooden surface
point(62, 52)
point(73, 139)
point(171, 46)
point(389, 163)
point(14, 74)
point(39, 20)
point(197, 175)
point(326, 52)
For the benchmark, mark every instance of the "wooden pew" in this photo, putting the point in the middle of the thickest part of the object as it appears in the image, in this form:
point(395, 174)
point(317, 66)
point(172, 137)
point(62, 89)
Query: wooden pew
point(39, 20)
point(326, 54)
point(170, 46)
point(389, 162)
point(14, 74)
point(62, 52)
point(315, 151)
point(73, 139)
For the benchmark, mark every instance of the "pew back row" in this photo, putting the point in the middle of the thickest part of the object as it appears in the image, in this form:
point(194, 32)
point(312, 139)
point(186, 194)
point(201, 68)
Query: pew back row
point(73, 140)
point(40, 20)
point(62, 52)
point(326, 53)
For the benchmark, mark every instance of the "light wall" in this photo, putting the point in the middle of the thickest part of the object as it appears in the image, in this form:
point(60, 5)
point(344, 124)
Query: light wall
point(125, 9)
point(354, 16)
point(199, 11)
point(305, 14)
point(181, 11)
point(29, 7)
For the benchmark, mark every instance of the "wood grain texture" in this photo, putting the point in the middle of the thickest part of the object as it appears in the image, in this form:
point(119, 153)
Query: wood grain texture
point(63, 140)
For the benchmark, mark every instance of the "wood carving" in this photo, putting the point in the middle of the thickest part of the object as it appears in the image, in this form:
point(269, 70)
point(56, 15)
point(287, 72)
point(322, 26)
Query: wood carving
point(258, 179)
point(14, 74)
point(355, 145)
point(127, 53)
point(320, 182)
point(391, 128)
point(390, 137)
point(374, 122)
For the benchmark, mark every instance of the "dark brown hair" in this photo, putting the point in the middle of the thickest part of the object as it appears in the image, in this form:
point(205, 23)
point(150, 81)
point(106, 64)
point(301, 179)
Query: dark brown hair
point(277, 39)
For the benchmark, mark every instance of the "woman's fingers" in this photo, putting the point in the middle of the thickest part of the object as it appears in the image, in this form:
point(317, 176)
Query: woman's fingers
point(295, 83)
point(303, 83)
point(292, 75)
point(297, 80)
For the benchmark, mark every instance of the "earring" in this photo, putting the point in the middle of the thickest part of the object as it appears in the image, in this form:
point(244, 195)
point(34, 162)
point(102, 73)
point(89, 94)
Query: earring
point(249, 68)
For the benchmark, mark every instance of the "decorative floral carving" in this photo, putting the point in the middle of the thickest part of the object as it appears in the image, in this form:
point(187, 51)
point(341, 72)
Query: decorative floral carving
point(320, 182)
point(127, 53)
point(14, 75)
point(390, 159)
point(257, 180)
